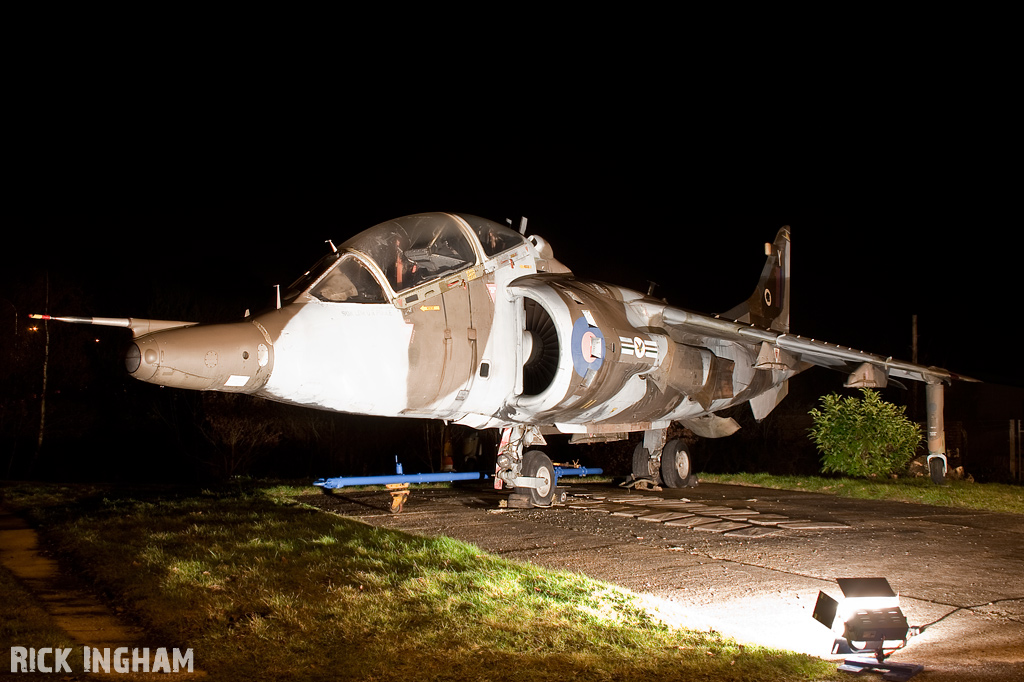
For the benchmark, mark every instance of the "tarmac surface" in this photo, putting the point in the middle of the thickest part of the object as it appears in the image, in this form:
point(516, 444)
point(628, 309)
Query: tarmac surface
point(749, 562)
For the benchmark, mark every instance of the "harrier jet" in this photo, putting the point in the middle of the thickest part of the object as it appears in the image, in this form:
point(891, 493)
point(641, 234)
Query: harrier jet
point(455, 317)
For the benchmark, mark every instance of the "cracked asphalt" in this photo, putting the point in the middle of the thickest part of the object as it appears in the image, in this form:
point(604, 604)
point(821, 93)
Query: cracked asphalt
point(752, 566)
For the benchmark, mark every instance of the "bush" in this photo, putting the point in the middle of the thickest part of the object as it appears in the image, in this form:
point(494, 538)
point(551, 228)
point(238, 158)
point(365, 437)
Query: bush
point(863, 436)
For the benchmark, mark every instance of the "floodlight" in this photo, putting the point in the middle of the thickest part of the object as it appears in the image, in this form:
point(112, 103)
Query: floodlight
point(867, 621)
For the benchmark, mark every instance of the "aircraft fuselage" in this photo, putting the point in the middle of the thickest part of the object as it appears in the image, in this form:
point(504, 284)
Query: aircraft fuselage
point(456, 317)
point(490, 344)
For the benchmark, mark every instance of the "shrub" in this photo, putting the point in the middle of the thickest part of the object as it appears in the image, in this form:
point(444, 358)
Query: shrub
point(863, 436)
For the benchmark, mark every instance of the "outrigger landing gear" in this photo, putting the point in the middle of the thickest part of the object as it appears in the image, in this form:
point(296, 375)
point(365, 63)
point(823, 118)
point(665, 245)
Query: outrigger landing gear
point(936, 434)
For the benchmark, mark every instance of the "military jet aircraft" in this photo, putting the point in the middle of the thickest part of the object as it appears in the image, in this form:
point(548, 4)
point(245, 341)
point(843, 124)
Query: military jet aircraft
point(456, 317)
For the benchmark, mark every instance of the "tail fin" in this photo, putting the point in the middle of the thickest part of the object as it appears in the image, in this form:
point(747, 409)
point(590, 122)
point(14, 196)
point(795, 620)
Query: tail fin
point(768, 306)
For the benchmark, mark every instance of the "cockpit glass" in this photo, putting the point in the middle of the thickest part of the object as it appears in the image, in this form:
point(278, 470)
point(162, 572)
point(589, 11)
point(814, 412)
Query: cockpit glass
point(416, 248)
point(493, 236)
point(314, 273)
point(350, 282)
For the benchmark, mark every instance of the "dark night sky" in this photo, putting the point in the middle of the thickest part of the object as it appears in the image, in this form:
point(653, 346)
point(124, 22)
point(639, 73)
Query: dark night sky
point(147, 173)
point(132, 218)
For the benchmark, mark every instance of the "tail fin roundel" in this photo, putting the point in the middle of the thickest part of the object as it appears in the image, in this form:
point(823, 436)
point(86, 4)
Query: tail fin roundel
point(768, 306)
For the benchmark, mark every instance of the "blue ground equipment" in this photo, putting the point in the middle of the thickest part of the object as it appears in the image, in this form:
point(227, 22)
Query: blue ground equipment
point(398, 483)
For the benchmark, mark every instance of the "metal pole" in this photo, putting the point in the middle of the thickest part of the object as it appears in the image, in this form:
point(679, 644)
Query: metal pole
point(935, 433)
point(341, 482)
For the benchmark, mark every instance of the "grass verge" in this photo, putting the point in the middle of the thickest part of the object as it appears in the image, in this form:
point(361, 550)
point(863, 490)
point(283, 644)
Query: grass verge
point(995, 497)
point(261, 587)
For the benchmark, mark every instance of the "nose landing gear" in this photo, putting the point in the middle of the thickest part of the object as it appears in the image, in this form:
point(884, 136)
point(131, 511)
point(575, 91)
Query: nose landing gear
point(531, 470)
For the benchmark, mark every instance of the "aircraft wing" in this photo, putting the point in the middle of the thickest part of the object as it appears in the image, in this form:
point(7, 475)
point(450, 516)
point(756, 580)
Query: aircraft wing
point(794, 350)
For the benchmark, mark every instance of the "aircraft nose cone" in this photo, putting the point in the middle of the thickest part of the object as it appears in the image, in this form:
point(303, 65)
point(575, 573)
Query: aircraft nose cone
point(226, 357)
point(133, 358)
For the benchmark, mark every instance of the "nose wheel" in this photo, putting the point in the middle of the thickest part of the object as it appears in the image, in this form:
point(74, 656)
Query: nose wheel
point(529, 472)
point(537, 465)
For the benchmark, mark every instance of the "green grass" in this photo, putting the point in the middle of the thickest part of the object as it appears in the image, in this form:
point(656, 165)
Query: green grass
point(995, 497)
point(261, 587)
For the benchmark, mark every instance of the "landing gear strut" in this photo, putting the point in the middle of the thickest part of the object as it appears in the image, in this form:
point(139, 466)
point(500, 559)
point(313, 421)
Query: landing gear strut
point(936, 434)
point(644, 467)
point(661, 463)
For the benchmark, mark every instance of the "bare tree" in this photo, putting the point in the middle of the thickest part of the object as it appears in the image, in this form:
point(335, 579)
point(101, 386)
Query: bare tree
point(240, 428)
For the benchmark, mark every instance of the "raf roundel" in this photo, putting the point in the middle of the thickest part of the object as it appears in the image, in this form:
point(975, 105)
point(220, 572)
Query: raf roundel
point(641, 348)
point(585, 341)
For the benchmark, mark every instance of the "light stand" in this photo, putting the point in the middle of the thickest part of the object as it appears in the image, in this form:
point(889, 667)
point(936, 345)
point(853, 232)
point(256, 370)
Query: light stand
point(870, 617)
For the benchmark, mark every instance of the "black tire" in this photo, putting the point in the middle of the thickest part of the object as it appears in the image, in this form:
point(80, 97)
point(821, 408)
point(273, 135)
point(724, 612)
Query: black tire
point(537, 465)
point(643, 467)
point(937, 470)
point(675, 464)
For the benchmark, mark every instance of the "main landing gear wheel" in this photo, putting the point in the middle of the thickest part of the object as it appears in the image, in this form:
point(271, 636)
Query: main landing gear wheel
point(675, 465)
point(644, 466)
point(537, 465)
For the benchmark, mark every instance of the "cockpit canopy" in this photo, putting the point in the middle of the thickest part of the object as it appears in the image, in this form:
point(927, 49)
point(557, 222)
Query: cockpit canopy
point(416, 248)
point(408, 252)
point(350, 282)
